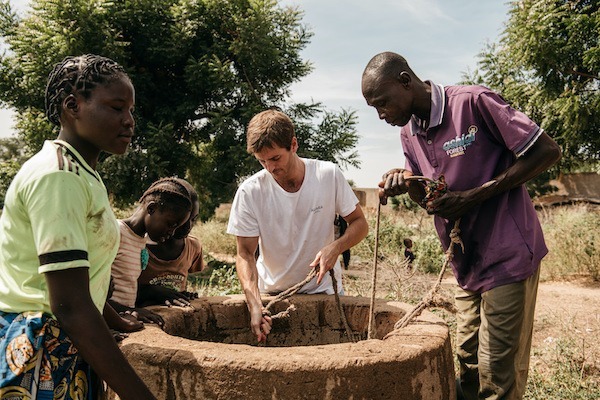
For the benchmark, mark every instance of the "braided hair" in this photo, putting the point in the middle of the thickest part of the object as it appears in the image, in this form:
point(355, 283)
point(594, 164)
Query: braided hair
point(186, 228)
point(77, 75)
point(170, 193)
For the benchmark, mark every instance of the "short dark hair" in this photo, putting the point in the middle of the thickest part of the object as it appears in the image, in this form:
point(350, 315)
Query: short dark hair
point(77, 75)
point(387, 65)
point(269, 128)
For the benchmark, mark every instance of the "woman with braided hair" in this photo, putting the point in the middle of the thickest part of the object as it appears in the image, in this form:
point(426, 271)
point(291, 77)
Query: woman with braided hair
point(58, 238)
point(163, 208)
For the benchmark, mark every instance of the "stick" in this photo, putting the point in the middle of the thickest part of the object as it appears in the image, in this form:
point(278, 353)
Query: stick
point(374, 277)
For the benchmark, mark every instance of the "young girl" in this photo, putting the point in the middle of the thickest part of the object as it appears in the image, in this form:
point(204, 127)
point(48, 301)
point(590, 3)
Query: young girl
point(164, 281)
point(58, 237)
point(164, 207)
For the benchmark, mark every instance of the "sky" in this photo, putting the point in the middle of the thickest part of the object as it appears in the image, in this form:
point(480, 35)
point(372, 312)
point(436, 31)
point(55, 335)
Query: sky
point(439, 38)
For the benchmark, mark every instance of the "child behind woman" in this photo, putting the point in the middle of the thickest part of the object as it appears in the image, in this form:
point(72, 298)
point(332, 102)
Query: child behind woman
point(164, 281)
point(164, 207)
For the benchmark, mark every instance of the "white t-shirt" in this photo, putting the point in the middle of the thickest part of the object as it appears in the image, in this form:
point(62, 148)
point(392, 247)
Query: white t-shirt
point(292, 227)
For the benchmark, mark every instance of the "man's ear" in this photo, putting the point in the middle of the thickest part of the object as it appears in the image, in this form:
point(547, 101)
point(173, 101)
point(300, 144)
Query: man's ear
point(404, 78)
point(294, 146)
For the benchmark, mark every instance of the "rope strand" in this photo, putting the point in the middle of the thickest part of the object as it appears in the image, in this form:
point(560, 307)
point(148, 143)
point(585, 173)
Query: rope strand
point(433, 299)
point(294, 289)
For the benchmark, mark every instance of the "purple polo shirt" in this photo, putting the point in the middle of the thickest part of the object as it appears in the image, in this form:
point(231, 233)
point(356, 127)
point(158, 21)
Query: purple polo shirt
point(473, 136)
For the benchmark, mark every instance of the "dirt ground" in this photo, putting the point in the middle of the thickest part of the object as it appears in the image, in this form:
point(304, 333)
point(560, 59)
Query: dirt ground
point(567, 317)
point(568, 311)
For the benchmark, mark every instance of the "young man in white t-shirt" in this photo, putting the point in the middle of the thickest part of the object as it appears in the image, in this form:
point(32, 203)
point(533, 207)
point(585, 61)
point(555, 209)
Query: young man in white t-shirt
point(289, 207)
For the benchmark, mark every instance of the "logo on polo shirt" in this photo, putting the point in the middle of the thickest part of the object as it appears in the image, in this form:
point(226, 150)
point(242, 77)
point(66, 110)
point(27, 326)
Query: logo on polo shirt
point(458, 145)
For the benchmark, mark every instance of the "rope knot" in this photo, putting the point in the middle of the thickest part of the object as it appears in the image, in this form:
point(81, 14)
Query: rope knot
point(455, 236)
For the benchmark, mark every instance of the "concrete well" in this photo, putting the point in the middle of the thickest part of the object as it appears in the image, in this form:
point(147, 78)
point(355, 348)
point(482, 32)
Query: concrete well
point(210, 353)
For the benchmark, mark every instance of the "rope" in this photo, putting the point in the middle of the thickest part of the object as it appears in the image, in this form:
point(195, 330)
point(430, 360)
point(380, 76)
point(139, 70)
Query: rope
point(433, 190)
point(433, 299)
point(291, 291)
point(294, 289)
point(341, 309)
point(370, 330)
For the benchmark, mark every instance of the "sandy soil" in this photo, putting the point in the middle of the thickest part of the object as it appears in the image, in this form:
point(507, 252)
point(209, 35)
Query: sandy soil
point(568, 312)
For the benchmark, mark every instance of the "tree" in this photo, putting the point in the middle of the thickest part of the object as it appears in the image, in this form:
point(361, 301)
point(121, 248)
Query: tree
point(201, 69)
point(12, 156)
point(547, 63)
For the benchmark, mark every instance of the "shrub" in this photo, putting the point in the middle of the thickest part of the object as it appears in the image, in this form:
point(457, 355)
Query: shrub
point(429, 254)
point(573, 240)
point(392, 231)
point(214, 237)
point(219, 278)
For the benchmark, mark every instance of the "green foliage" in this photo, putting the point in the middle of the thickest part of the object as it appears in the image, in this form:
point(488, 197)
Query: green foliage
point(392, 232)
point(201, 69)
point(547, 63)
point(404, 203)
point(214, 238)
point(429, 254)
point(12, 156)
point(8, 170)
point(331, 139)
point(217, 279)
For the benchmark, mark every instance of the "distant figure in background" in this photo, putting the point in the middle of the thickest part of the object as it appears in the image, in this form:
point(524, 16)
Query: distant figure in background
point(408, 252)
point(340, 228)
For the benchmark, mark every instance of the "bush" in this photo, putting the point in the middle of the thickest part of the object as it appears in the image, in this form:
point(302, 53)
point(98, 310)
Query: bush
point(404, 202)
point(392, 231)
point(429, 254)
point(217, 279)
point(214, 237)
point(8, 170)
point(573, 239)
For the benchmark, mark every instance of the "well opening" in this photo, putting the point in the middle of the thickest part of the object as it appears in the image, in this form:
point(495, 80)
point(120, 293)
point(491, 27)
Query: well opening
point(210, 353)
point(309, 321)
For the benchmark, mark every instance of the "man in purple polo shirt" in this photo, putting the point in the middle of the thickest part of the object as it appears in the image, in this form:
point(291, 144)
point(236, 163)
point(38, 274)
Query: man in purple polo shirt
point(486, 151)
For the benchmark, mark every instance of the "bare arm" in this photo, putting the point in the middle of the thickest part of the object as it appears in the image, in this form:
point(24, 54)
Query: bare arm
point(542, 155)
point(76, 313)
point(356, 231)
point(248, 274)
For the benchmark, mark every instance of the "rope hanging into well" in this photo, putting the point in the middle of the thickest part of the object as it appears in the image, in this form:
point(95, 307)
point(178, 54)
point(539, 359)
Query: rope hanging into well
point(294, 289)
point(433, 298)
point(433, 190)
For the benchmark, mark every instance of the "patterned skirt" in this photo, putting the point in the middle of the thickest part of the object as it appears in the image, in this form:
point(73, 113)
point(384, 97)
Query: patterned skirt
point(39, 361)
